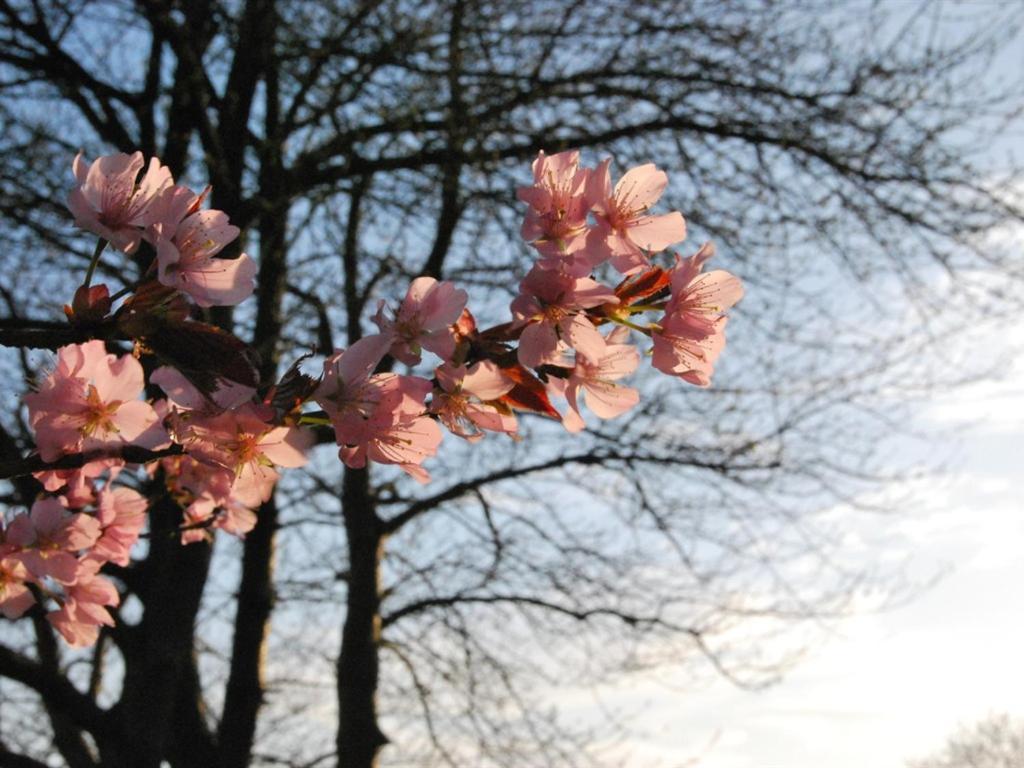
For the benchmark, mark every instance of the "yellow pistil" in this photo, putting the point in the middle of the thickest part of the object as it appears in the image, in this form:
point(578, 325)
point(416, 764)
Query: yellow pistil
point(100, 416)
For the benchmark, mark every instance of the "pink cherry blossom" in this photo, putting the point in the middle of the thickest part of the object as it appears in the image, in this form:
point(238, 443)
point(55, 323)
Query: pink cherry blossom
point(49, 540)
point(423, 320)
point(348, 385)
point(108, 202)
point(624, 229)
point(242, 442)
point(207, 512)
point(90, 402)
point(550, 305)
point(76, 485)
point(689, 353)
point(186, 260)
point(605, 398)
point(557, 215)
point(700, 297)
point(691, 336)
point(208, 493)
point(397, 431)
point(85, 607)
point(122, 514)
point(460, 402)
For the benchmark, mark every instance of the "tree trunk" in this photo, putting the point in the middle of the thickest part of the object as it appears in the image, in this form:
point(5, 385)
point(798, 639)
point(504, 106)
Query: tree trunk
point(359, 735)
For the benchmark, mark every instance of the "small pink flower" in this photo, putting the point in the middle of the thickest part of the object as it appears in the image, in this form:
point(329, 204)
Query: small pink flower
point(557, 216)
point(396, 432)
point(242, 442)
point(460, 402)
point(701, 297)
point(210, 497)
point(90, 402)
point(207, 512)
point(423, 320)
point(347, 385)
point(49, 540)
point(85, 607)
point(107, 200)
point(624, 229)
point(76, 485)
point(550, 305)
point(597, 379)
point(186, 259)
point(692, 333)
point(122, 514)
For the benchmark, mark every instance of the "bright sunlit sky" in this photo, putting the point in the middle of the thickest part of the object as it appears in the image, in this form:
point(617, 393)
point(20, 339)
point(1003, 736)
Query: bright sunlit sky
point(876, 690)
point(886, 687)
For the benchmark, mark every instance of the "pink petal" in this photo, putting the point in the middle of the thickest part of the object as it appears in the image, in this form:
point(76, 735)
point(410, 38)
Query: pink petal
point(656, 233)
point(487, 418)
point(138, 423)
point(486, 381)
point(599, 188)
point(538, 344)
point(443, 306)
point(440, 342)
point(206, 232)
point(80, 532)
point(121, 379)
point(287, 446)
point(640, 188)
point(714, 292)
point(618, 360)
point(686, 270)
point(360, 360)
point(608, 400)
point(219, 282)
point(583, 337)
point(572, 420)
point(15, 598)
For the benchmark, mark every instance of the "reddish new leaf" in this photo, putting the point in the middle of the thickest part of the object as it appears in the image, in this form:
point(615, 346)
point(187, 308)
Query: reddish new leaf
point(294, 389)
point(151, 306)
point(642, 285)
point(528, 394)
point(204, 354)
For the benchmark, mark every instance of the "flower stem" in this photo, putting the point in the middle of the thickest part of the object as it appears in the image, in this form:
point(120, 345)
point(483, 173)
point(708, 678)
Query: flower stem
point(310, 418)
point(124, 291)
point(628, 324)
point(95, 260)
point(647, 307)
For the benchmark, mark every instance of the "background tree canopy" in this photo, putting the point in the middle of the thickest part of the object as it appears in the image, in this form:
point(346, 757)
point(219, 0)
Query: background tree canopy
point(831, 152)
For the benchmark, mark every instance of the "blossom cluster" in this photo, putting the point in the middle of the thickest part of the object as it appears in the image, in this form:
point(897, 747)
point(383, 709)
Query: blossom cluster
point(110, 202)
point(213, 437)
point(56, 551)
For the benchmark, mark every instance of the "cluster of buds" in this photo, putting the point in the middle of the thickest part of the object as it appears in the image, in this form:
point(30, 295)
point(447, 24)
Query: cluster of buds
point(218, 436)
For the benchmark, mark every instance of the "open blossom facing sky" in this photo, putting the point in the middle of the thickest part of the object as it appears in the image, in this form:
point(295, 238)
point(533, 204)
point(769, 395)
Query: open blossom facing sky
point(625, 231)
point(423, 321)
point(91, 401)
point(110, 200)
point(186, 254)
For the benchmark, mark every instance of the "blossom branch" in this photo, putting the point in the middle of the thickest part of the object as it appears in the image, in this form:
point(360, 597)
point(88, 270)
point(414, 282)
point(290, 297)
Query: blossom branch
point(43, 334)
point(132, 454)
